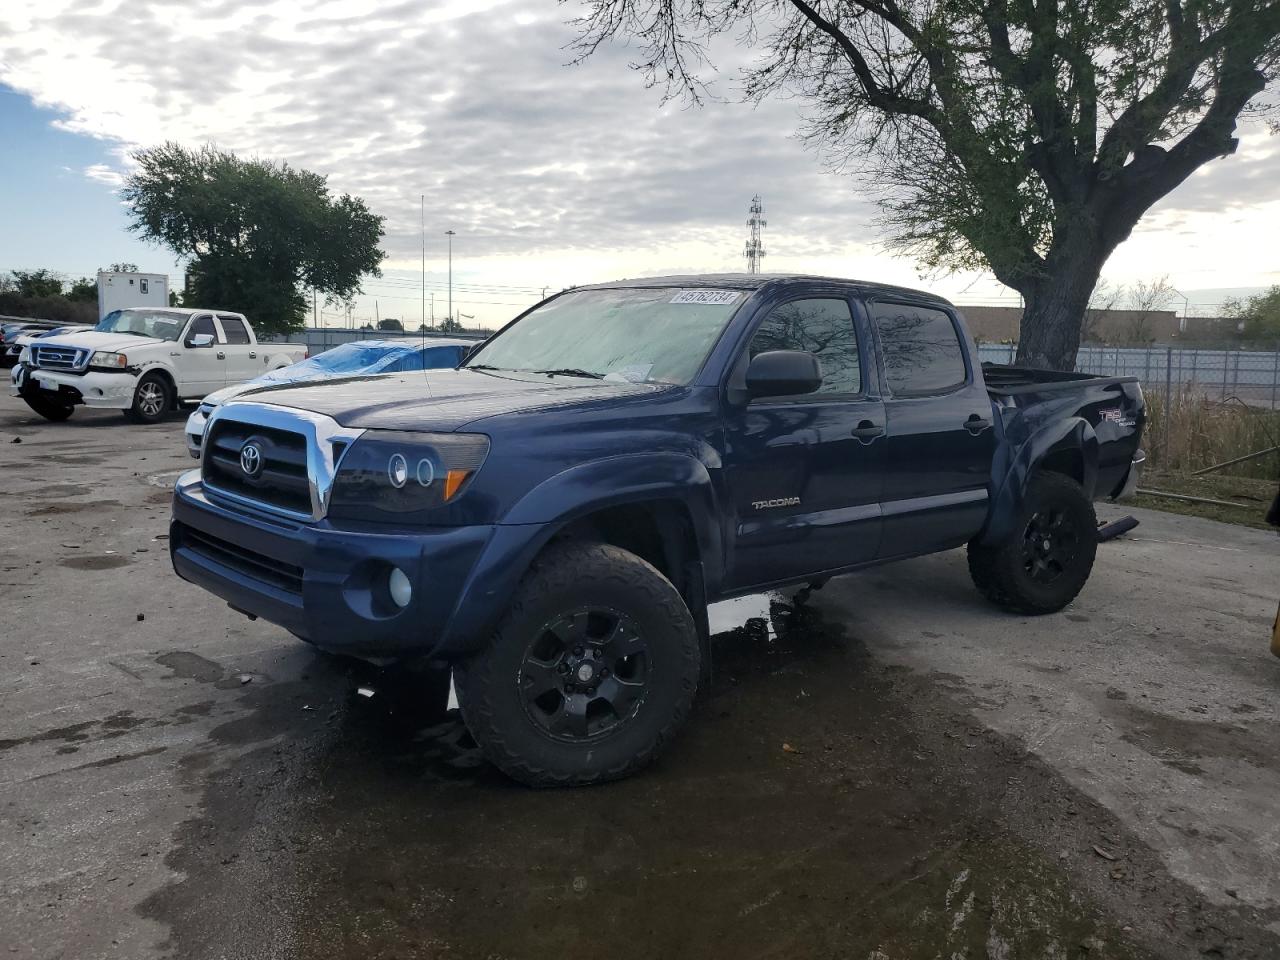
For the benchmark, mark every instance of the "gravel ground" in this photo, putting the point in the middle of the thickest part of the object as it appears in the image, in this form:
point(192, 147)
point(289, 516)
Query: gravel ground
point(886, 769)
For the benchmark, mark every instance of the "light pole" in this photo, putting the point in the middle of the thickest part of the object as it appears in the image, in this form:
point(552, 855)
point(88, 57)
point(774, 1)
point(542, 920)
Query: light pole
point(450, 234)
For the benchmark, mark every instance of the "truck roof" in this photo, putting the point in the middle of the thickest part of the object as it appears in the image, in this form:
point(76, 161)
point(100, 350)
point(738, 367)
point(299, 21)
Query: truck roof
point(182, 311)
point(756, 281)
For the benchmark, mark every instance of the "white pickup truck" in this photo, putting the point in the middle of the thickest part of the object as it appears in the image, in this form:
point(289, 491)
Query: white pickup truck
point(144, 361)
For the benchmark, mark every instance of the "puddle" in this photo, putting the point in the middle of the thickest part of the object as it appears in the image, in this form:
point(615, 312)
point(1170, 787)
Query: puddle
point(101, 562)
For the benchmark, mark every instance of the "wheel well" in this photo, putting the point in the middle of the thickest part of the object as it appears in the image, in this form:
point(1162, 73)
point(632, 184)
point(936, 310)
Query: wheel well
point(1067, 461)
point(659, 532)
point(167, 377)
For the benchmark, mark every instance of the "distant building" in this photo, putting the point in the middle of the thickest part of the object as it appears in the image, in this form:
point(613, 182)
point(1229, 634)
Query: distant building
point(119, 291)
point(1000, 325)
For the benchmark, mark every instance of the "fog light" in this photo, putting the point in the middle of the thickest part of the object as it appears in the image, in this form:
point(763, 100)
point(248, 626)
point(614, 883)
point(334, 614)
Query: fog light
point(401, 589)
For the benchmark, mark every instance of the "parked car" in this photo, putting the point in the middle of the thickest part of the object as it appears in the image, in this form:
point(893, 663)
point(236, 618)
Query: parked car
point(144, 361)
point(359, 358)
point(11, 348)
point(552, 518)
point(11, 328)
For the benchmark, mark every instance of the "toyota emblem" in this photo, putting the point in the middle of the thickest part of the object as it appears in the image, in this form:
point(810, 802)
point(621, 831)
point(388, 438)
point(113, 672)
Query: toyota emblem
point(251, 459)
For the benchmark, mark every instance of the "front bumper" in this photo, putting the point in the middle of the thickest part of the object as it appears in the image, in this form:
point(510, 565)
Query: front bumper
point(327, 585)
point(112, 391)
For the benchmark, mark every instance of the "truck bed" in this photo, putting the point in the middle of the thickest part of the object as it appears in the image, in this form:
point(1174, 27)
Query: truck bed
point(1006, 379)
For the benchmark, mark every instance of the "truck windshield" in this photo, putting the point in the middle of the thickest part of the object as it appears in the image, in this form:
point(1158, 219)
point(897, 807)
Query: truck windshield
point(158, 324)
point(639, 335)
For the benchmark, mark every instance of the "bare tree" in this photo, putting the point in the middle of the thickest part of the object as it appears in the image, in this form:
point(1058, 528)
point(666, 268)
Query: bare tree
point(1025, 137)
point(1103, 300)
point(1148, 299)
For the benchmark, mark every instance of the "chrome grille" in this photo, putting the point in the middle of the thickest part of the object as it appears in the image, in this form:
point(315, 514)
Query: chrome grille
point(297, 453)
point(282, 480)
point(60, 358)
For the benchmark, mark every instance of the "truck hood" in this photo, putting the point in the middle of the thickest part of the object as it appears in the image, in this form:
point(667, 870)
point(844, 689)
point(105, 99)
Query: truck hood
point(440, 399)
point(97, 340)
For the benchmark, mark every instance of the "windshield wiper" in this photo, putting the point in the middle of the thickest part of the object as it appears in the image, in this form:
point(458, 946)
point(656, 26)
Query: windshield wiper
point(480, 366)
point(572, 372)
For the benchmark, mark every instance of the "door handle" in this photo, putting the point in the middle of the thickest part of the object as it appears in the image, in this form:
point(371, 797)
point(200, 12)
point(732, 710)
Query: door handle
point(253, 355)
point(866, 431)
point(221, 355)
point(976, 424)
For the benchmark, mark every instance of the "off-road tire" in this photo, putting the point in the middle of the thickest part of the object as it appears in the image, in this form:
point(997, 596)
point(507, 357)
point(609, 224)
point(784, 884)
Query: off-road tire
point(567, 577)
point(1000, 571)
point(50, 409)
point(152, 400)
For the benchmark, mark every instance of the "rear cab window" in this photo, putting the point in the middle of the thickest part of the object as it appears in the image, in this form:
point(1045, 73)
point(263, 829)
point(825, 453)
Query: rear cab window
point(921, 349)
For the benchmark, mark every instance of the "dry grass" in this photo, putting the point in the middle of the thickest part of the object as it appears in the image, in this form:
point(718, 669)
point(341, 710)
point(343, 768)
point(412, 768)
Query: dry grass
point(1192, 432)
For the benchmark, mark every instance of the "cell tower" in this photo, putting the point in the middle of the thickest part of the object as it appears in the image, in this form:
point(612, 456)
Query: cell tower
point(755, 226)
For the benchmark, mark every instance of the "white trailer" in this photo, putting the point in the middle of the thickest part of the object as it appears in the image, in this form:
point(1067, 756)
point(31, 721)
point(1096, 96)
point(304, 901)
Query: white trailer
point(119, 291)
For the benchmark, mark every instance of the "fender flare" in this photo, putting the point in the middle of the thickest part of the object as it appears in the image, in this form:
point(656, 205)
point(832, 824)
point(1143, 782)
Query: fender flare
point(551, 506)
point(1073, 434)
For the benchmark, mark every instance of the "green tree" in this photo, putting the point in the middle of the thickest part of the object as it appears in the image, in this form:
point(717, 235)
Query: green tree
point(36, 283)
point(255, 232)
point(1259, 315)
point(1023, 137)
point(83, 290)
point(390, 323)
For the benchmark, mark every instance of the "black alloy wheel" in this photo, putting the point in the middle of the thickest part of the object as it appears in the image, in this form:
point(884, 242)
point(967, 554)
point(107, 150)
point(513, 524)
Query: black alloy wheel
point(584, 674)
point(1049, 546)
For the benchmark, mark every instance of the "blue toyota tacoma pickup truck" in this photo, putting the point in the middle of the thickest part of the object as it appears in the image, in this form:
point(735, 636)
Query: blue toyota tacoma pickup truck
point(552, 518)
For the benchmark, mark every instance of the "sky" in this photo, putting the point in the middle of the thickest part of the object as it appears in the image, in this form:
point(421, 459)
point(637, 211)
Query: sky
point(467, 115)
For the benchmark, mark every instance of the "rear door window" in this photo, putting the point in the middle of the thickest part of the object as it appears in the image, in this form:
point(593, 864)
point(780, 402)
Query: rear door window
point(921, 348)
point(234, 328)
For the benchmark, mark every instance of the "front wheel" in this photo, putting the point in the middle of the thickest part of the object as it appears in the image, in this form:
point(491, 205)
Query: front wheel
point(1045, 561)
point(151, 400)
point(590, 673)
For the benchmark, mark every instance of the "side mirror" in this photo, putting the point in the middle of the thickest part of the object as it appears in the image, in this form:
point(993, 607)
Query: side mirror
point(200, 340)
point(783, 373)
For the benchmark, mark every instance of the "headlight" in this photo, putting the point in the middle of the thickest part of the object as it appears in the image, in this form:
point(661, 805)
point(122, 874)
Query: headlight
point(114, 361)
point(394, 472)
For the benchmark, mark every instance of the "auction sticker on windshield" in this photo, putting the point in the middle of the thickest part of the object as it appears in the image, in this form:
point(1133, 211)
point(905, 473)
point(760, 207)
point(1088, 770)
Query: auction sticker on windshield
point(716, 297)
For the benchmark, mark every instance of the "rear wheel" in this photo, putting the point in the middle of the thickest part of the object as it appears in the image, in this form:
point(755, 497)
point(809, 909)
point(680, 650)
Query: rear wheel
point(151, 400)
point(1044, 563)
point(51, 408)
point(590, 673)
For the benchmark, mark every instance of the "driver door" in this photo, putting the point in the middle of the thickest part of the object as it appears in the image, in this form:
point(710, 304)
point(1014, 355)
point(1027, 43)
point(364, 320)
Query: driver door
point(203, 369)
point(804, 472)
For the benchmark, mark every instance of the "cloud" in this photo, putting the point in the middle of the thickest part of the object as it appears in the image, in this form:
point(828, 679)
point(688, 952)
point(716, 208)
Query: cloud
point(104, 174)
point(539, 167)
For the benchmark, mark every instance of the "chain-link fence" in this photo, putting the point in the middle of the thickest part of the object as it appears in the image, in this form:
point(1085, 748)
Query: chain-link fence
point(1250, 375)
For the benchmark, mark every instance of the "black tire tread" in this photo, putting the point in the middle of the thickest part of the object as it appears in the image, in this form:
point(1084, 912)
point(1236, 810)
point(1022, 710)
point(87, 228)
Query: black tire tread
point(565, 566)
point(991, 566)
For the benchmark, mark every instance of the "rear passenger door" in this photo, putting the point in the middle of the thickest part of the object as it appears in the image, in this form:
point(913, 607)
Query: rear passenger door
point(804, 472)
point(940, 435)
point(242, 354)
